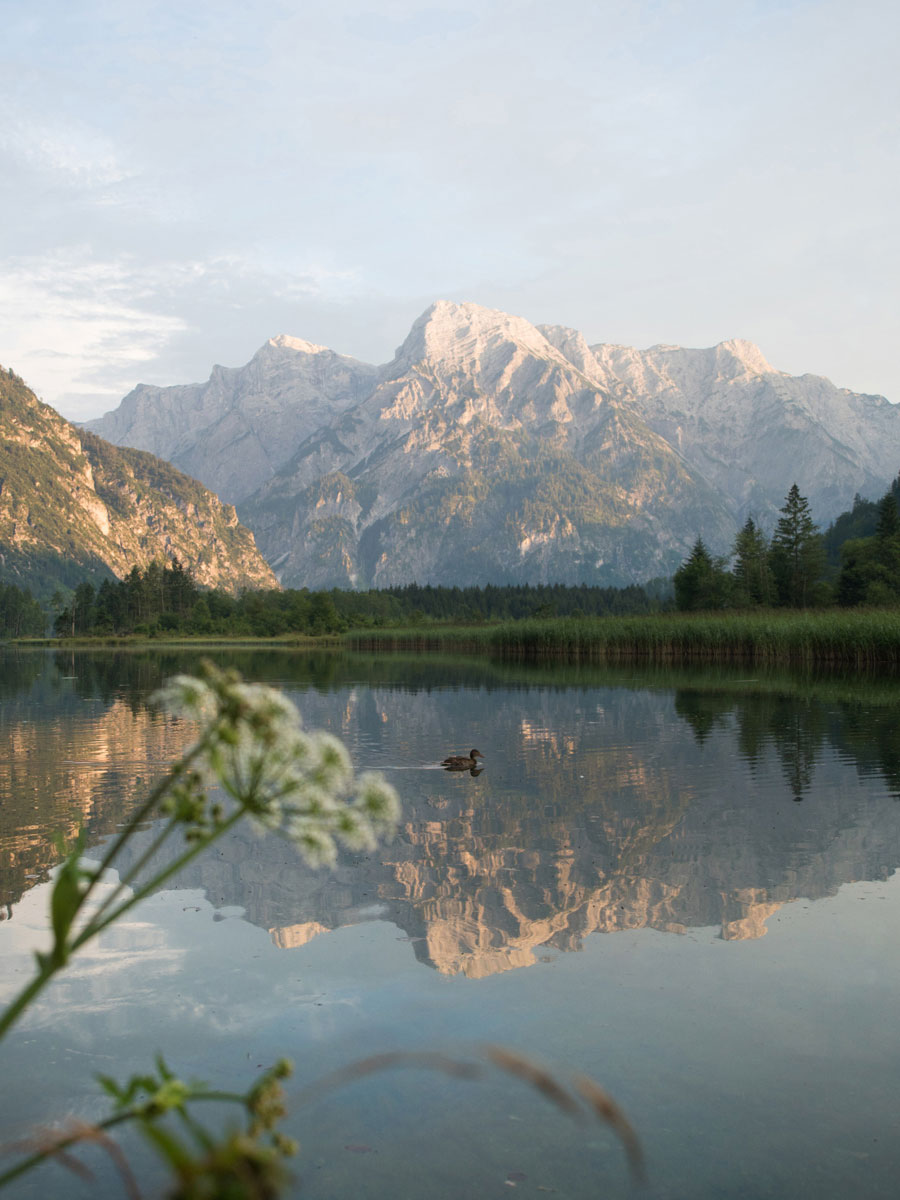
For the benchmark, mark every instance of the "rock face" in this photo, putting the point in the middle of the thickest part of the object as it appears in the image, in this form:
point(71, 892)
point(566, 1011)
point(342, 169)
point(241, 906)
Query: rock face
point(71, 503)
point(235, 431)
point(492, 450)
point(482, 455)
point(749, 429)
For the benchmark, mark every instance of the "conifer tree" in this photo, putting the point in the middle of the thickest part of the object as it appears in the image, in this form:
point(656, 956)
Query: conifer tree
point(701, 582)
point(870, 566)
point(888, 517)
point(797, 555)
point(752, 572)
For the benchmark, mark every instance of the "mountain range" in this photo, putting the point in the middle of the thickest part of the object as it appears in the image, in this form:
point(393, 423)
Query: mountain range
point(493, 450)
point(72, 506)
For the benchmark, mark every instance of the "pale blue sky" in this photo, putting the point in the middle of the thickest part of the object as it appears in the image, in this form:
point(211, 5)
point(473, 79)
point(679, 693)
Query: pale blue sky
point(182, 181)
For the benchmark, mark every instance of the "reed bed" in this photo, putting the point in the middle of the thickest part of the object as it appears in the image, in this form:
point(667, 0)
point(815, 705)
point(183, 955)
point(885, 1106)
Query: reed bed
point(852, 637)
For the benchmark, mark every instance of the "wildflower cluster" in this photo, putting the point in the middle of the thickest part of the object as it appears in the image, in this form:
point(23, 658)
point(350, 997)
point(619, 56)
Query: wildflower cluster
point(252, 744)
point(241, 1164)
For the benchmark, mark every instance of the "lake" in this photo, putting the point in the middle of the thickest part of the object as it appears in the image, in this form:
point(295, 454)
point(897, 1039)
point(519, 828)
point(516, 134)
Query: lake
point(682, 883)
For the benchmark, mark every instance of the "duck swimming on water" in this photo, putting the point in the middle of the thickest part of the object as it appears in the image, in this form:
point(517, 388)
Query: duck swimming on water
point(461, 761)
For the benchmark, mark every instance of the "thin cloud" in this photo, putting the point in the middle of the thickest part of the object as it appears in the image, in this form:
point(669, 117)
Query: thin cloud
point(643, 170)
point(81, 156)
point(83, 332)
point(74, 330)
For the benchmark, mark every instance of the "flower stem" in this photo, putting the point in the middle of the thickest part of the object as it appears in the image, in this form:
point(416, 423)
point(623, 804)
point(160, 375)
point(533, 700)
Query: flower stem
point(93, 928)
point(89, 1132)
point(172, 776)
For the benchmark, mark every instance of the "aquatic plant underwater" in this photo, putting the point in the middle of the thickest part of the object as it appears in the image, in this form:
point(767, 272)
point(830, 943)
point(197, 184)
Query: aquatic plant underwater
point(251, 746)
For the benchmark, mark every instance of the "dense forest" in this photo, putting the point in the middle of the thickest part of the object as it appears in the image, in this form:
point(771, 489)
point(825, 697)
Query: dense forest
point(20, 613)
point(856, 562)
point(164, 599)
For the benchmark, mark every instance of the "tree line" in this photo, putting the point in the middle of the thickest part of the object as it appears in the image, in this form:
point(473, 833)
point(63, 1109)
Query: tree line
point(799, 566)
point(164, 598)
point(20, 614)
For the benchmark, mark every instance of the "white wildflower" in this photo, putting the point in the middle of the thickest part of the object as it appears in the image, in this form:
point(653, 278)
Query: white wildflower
point(316, 802)
point(265, 706)
point(296, 783)
point(378, 800)
point(355, 829)
point(333, 768)
point(314, 843)
point(186, 696)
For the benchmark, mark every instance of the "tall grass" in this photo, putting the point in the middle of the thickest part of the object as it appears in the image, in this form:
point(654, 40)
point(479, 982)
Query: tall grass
point(853, 637)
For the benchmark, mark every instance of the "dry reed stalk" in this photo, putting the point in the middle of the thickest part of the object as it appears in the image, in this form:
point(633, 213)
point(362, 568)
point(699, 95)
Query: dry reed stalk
point(57, 1143)
point(609, 1112)
point(600, 1103)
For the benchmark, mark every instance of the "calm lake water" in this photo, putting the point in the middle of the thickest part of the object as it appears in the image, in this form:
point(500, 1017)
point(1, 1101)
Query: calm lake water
point(682, 883)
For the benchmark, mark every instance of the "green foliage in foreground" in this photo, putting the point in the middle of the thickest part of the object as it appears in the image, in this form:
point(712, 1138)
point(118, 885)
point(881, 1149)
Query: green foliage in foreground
point(857, 637)
point(301, 785)
point(250, 743)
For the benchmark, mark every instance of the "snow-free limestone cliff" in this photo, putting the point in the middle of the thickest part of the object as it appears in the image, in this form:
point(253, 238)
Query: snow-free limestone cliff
point(234, 431)
point(72, 504)
point(493, 450)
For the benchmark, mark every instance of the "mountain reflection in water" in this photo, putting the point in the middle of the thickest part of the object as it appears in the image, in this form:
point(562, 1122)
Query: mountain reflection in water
point(609, 800)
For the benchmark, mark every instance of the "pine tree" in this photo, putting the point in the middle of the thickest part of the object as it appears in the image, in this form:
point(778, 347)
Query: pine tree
point(888, 517)
point(752, 573)
point(797, 555)
point(701, 582)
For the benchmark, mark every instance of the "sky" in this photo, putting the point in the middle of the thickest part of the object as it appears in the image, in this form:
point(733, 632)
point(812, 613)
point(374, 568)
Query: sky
point(180, 182)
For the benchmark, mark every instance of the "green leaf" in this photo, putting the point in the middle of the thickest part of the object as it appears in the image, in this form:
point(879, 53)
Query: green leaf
point(167, 1144)
point(111, 1088)
point(67, 894)
point(64, 904)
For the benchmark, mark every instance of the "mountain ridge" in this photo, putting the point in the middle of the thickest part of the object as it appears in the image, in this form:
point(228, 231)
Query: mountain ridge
point(628, 454)
point(480, 455)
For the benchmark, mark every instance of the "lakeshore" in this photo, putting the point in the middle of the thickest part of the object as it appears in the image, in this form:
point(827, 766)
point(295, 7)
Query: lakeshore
point(852, 637)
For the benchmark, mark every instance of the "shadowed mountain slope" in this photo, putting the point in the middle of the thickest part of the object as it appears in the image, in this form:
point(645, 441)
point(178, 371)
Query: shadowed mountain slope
point(73, 505)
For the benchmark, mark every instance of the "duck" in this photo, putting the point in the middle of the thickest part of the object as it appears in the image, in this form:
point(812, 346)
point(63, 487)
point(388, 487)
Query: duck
point(461, 762)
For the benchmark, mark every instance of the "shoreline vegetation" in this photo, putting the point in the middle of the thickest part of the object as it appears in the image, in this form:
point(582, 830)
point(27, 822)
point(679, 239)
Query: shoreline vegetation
point(120, 641)
point(867, 637)
point(857, 637)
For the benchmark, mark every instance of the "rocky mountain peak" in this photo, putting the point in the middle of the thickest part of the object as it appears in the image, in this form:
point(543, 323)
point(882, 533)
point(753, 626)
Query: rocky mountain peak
point(459, 336)
point(73, 504)
point(236, 430)
point(747, 354)
point(284, 341)
point(492, 448)
point(664, 367)
point(733, 359)
point(573, 346)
